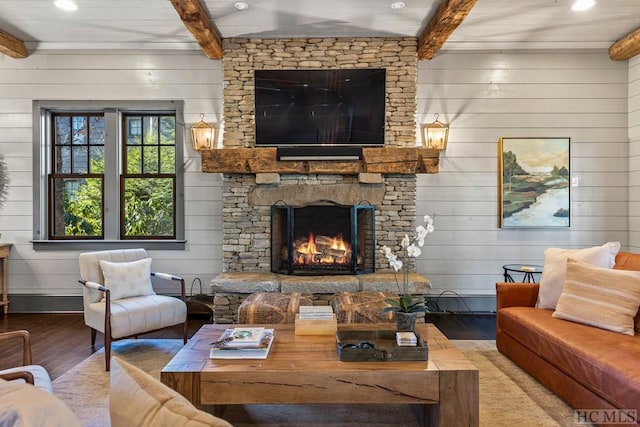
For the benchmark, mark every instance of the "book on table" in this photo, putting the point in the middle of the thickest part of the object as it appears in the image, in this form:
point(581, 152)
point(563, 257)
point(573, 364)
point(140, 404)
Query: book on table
point(229, 347)
point(315, 312)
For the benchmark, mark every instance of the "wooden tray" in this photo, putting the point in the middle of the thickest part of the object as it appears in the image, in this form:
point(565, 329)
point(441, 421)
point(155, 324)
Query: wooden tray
point(352, 346)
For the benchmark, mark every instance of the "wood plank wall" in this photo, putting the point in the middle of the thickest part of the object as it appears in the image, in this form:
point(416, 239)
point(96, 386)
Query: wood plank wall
point(483, 95)
point(634, 154)
point(104, 76)
point(488, 95)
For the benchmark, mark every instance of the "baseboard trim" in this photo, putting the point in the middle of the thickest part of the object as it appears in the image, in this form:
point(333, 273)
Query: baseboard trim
point(29, 303)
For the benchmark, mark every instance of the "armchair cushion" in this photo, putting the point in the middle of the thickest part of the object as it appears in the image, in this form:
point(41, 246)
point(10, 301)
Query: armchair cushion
point(127, 279)
point(138, 399)
point(26, 405)
point(41, 378)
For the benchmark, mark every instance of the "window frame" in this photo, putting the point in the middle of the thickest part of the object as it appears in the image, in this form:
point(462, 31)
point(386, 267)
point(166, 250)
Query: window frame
point(114, 112)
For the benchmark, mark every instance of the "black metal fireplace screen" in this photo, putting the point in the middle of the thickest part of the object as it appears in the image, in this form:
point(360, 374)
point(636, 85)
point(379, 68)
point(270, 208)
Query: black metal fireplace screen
point(322, 239)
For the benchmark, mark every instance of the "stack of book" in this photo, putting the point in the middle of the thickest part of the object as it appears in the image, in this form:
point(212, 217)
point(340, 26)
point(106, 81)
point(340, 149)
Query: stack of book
point(316, 320)
point(406, 339)
point(243, 343)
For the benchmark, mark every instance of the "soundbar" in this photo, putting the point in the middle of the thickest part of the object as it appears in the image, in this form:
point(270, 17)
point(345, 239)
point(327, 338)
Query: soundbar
point(324, 153)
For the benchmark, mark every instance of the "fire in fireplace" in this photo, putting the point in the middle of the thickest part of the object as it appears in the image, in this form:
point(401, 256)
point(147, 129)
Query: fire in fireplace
point(322, 239)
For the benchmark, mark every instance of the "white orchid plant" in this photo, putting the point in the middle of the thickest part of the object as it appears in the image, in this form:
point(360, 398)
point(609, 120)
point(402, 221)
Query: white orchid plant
point(411, 245)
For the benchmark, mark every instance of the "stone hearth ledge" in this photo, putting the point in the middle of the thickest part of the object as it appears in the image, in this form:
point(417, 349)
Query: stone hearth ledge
point(251, 282)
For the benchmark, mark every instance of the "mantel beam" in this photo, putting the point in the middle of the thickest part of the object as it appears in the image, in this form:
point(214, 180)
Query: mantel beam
point(447, 18)
point(626, 47)
point(12, 46)
point(195, 18)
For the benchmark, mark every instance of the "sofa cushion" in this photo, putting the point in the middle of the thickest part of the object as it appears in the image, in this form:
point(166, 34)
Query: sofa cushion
point(127, 279)
point(555, 267)
point(603, 361)
point(599, 297)
point(138, 399)
point(25, 405)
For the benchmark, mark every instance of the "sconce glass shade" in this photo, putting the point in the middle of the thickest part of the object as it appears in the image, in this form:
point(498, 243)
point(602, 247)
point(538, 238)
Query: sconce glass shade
point(435, 135)
point(202, 135)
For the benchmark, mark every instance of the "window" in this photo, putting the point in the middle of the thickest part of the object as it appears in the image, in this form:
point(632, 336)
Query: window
point(109, 172)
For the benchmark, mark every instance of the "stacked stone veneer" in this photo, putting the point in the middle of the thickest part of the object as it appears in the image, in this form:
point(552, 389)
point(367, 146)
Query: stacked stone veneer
point(242, 56)
point(246, 228)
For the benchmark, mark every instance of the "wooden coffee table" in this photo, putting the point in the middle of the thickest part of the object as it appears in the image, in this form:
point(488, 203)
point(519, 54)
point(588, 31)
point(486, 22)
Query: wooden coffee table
point(305, 369)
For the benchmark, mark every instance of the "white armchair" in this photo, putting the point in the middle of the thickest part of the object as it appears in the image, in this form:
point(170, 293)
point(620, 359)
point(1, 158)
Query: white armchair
point(119, 300)
point(27, 372)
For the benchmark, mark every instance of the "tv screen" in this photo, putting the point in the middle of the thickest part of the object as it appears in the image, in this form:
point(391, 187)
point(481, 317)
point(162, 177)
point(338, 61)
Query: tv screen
point(320, 107)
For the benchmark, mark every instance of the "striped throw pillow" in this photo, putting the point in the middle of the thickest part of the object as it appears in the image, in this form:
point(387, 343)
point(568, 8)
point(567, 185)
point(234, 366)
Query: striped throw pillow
point(600, 297)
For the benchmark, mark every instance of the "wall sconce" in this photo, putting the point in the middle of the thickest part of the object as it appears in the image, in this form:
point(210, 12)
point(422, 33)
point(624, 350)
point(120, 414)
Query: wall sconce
point(435, 135)
point(202, 135)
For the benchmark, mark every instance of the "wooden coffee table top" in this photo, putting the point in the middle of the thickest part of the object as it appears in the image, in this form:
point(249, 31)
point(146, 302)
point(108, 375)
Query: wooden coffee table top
point(298, 353)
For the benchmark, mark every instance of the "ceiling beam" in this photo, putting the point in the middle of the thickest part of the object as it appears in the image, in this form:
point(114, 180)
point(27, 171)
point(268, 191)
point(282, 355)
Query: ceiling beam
point(197, 22)
point(626, 47)
point(442, 24)
point(12, 46)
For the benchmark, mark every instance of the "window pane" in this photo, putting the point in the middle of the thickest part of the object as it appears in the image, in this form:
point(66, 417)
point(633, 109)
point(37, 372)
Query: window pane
point(150, 160)
point(134, 130)
point(96, 130)
point(96, 162)
point(77, 207)
point(63, 159)
point(167, 159)
point(148, 207)
point(168, 130)
point(134, 159)
point(63, 130)
point(150, 130)
point(79, 124)
point(80, 160)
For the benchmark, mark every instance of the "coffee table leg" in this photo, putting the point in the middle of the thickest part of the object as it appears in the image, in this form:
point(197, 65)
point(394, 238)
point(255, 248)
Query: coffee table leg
point(459, 401)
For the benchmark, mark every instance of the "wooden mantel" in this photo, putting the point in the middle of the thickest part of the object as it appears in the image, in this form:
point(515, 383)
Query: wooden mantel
point(385, 160)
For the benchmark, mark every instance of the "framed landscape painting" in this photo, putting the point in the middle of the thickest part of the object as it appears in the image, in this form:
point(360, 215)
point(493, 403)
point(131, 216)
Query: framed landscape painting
point(534, 182)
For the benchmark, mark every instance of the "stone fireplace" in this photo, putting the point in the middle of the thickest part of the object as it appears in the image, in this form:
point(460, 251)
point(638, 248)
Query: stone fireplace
point(248, 197)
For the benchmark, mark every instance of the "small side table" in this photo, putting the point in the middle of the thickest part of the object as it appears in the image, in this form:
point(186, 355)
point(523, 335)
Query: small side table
point(5, 248)
point(528, 269)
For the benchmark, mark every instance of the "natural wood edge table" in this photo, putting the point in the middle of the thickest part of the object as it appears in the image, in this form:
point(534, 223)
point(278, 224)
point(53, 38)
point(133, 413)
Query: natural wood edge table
point(305, 369)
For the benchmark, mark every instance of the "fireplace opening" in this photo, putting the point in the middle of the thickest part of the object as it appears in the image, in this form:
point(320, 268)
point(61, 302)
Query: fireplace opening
point(322, 239)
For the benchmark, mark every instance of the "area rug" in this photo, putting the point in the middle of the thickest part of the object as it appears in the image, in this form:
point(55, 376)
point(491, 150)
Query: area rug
point(508, 396)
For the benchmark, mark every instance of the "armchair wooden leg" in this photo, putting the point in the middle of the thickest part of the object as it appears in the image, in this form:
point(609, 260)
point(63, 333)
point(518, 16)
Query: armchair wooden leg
point(107, 351)
point(184, 331)
point(93, 337)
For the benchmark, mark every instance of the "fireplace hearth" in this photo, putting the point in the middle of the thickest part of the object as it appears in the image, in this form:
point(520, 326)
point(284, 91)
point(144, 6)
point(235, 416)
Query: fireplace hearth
point(322, 239)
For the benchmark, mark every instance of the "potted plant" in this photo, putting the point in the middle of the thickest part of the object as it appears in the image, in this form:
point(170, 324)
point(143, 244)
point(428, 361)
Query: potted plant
point(406, 307)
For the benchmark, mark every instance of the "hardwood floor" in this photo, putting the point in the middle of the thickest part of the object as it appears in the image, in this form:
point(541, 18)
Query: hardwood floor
point(61, 341)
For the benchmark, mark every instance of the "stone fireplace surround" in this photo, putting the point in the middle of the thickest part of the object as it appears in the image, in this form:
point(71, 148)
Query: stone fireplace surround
point(247, 198)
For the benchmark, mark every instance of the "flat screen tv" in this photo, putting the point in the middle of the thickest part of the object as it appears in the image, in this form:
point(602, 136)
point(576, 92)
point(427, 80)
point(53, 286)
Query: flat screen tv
point(320, 107)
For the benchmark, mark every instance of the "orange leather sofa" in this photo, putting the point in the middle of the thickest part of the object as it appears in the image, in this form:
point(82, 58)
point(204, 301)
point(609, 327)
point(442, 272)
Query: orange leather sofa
point(588, 367)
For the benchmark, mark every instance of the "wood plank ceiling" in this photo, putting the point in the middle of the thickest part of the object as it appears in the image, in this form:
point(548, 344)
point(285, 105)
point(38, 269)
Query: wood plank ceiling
point(442, 23)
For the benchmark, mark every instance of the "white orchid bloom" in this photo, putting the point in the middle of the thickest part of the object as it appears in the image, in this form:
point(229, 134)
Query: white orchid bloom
point(421, 233)
point(428, 219)
point(413, 251)
point(405, 241)
point(430, 228)
point(396, 264)
point(386, 251)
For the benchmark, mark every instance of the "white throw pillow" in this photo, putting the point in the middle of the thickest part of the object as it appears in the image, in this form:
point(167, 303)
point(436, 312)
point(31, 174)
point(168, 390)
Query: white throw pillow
point(127, 279)
point(555, 268)
point(600, 297)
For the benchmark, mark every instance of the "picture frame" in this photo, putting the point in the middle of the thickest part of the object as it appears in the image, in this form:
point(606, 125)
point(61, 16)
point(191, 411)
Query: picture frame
point(534, 176)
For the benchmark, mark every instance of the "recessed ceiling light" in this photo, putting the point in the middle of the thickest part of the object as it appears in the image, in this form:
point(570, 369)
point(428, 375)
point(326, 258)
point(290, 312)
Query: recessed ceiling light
point(398, 5)
point(241, 5)
point(581, 5)
point(67, 5)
